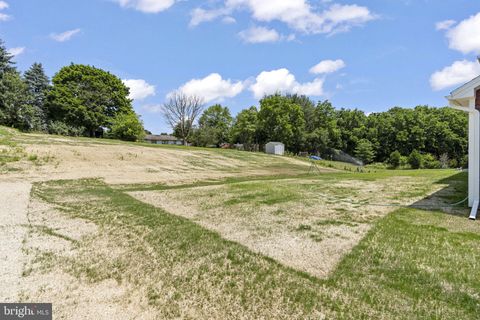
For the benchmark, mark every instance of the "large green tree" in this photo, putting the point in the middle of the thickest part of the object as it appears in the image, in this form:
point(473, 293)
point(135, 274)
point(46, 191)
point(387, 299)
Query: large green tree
point(308, 108)
point(214, 126)
point(87, 97)
point(352, 126)
point(244, 129)
point(15, 110)
point(325, 133)
point(38, 86)
point(280, 119)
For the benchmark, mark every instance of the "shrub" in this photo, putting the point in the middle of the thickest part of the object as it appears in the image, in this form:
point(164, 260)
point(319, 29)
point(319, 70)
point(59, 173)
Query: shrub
point(128, 127)
point(464, 162)
point(62, 129)
point(403, 161)
point(415, 159)
point(394, 159)
point(453, 163)
point(430, 162)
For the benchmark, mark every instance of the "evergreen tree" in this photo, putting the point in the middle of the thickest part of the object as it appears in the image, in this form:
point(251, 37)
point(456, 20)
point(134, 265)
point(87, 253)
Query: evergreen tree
point(38, 86)
point(364, 151)
point(6, 63)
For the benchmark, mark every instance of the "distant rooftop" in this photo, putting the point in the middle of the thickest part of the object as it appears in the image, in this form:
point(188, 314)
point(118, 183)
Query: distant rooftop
point(161, 137)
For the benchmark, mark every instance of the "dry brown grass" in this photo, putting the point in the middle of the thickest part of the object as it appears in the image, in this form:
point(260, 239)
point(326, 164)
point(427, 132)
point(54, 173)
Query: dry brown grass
point(117, 163)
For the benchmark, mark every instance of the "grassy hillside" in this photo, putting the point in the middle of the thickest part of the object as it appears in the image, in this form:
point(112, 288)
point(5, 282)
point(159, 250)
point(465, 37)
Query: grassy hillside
point(57, 157)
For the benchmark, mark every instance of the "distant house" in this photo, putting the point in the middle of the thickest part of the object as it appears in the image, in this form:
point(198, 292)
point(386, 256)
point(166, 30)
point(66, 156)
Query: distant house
point(163, 139)
point(277, 148)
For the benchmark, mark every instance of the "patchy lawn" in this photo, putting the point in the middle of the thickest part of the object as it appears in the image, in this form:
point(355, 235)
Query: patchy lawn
point(306, 223)
point(149, 232)
point(411, 264)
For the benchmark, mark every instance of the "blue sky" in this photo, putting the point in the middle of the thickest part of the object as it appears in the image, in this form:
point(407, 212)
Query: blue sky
point(366, 54)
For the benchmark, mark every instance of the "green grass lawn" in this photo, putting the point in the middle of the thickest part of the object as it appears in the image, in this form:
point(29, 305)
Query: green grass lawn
point(412, 264)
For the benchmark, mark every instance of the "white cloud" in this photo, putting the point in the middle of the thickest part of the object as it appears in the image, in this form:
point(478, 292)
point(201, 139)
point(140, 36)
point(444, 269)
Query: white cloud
point(465, 37)
point(139, 88)
point(229, 20)
point(445, 25)
point(314, 88)
point(147, 6)
point(458, 73)
point(269, 82)
point(327, 66)
point(281, 80)
point(64, 36)
point(199, 15)
point(212, 88)
point(4, 17)
point(260, 35)
point(341, 18)
point(16, 51)
point(297, 14)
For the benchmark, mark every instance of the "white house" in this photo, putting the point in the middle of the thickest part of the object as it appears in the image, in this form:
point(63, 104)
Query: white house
point(467, 98)
point(277, 148)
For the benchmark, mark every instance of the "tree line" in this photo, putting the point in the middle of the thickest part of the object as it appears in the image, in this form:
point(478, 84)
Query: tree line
point(421, 137)
point(83, 100)
point(80, 100)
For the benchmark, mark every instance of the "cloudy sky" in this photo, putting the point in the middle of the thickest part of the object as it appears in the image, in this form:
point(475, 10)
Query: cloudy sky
point(366, 54)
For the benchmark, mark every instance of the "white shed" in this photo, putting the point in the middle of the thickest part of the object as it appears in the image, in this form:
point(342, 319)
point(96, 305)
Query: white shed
point(277, 148)
point(467, 98)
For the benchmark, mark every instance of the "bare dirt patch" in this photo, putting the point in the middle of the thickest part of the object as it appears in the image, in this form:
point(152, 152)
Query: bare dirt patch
point(14, 198)
point(54, 251)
